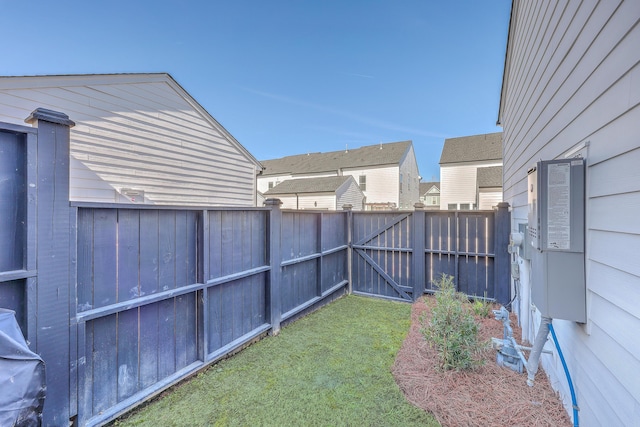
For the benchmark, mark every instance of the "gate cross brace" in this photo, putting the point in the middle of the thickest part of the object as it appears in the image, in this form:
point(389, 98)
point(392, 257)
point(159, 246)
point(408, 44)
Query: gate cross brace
point(384, 275)
point(380, 230)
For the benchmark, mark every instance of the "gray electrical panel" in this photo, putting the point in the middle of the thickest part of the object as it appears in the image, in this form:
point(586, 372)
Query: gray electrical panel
point(556, 232)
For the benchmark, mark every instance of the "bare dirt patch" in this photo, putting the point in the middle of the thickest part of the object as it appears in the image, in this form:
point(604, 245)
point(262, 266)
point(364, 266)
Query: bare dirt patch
point(488, 395)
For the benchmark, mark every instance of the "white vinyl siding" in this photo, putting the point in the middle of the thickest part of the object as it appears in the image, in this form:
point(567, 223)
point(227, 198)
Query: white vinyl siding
point(572, 86)
point(382, 183)
point(317, 201)
point(488, 199)
point(264, 181)
point(458, 183)
point(138, 131)
point(349, 193)
point(288, 202)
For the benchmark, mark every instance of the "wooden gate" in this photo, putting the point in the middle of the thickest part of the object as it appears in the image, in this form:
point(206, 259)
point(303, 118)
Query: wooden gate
point(381, 264)
point(400, 255)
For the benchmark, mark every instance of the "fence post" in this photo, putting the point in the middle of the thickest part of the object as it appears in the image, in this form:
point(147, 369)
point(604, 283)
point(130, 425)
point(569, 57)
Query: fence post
point(53, 260)
point(418, 258)
point(502, 261)
point(275, 261)
point(348, 209)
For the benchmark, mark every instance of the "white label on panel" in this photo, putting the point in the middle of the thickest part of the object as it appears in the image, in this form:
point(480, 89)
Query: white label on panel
point(559, 206)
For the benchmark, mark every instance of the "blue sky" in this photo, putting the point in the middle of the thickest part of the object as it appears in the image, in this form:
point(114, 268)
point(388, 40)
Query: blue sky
point(288, 77)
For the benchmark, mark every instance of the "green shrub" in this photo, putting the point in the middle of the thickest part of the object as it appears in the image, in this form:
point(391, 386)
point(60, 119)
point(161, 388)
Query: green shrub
point(452, 330)
point(481, 308)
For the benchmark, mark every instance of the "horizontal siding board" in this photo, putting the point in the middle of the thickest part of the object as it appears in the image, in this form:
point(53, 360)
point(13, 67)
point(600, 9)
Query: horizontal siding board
point(611, 142)
point(616, 176)
point(622, 328)
point(162, 142)
point(622, 219)
point(605, 95)
point(616, 286)
point(605, 248)
point(590, 373)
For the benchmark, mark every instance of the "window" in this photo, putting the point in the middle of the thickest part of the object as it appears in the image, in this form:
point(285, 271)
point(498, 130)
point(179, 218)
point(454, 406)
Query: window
point(400, 183)
point(270, 185)
point(465, 206)
point(452, 206)
point(362, 182)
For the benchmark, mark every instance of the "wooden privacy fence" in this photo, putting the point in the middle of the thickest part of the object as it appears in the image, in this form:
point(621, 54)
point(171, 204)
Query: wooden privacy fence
point(121, 301)
point(163, 291)
point(399, 255)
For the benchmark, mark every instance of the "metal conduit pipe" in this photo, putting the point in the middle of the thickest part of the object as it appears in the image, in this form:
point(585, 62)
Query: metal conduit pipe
point(518, 350)
point(536, 351)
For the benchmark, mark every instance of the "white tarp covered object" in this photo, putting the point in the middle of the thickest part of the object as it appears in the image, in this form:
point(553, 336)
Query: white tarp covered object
point(22, 381)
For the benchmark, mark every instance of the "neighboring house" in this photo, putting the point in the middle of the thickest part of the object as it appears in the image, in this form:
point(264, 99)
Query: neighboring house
point(138, 138)
point(329, 192)
point(386, 173)
point(430, 194)
point(489, 182)
point(460, 162)
point(571, 87)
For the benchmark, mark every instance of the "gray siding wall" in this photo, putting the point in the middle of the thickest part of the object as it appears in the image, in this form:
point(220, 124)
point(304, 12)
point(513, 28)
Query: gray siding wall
point(349, 194)
point(572, 86)
point(410, 185)
point(137, 131)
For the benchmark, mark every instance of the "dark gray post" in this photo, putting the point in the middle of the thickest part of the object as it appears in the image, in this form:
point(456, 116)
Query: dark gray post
point(275, 261)
point(418, 238)
point(502, 262)
point(348, 208)
point(53, 260)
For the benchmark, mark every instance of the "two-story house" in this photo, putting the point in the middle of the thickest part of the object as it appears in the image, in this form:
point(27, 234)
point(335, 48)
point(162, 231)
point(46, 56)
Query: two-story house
point(430, 194)
point(469, 166)
point(386, 173)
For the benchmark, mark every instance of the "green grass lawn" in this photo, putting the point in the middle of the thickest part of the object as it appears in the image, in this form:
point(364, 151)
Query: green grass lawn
point(331, 368)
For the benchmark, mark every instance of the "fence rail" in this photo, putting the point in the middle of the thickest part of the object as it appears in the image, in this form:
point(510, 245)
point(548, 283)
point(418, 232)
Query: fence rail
point(122, 301)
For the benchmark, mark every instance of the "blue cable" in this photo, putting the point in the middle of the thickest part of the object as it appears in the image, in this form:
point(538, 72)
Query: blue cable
point(566, 371)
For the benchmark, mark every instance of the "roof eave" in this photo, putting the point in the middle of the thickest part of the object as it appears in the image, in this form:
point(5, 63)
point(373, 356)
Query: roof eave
point(505, 69)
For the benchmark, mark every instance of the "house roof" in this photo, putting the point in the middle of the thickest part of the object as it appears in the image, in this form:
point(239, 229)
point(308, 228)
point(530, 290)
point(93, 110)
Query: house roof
point(426, 186)
point(489, 177)
point(327, 184)
point(473, 148)
point(373, 155)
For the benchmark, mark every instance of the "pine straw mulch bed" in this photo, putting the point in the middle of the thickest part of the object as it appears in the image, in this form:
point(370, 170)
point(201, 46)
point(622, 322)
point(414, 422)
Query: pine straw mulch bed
point(489, 395)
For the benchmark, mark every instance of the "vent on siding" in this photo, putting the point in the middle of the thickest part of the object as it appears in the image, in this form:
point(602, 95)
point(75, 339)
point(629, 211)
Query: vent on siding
point(131, 195)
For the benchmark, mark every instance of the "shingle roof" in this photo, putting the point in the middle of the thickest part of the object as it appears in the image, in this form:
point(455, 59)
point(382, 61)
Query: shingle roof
point(309, 185)
point(472, 148)
point(426, 186)
point(489, 177)
point(372, 155)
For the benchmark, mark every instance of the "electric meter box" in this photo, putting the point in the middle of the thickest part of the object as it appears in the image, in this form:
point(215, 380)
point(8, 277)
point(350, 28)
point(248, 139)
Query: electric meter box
point(556, 232)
